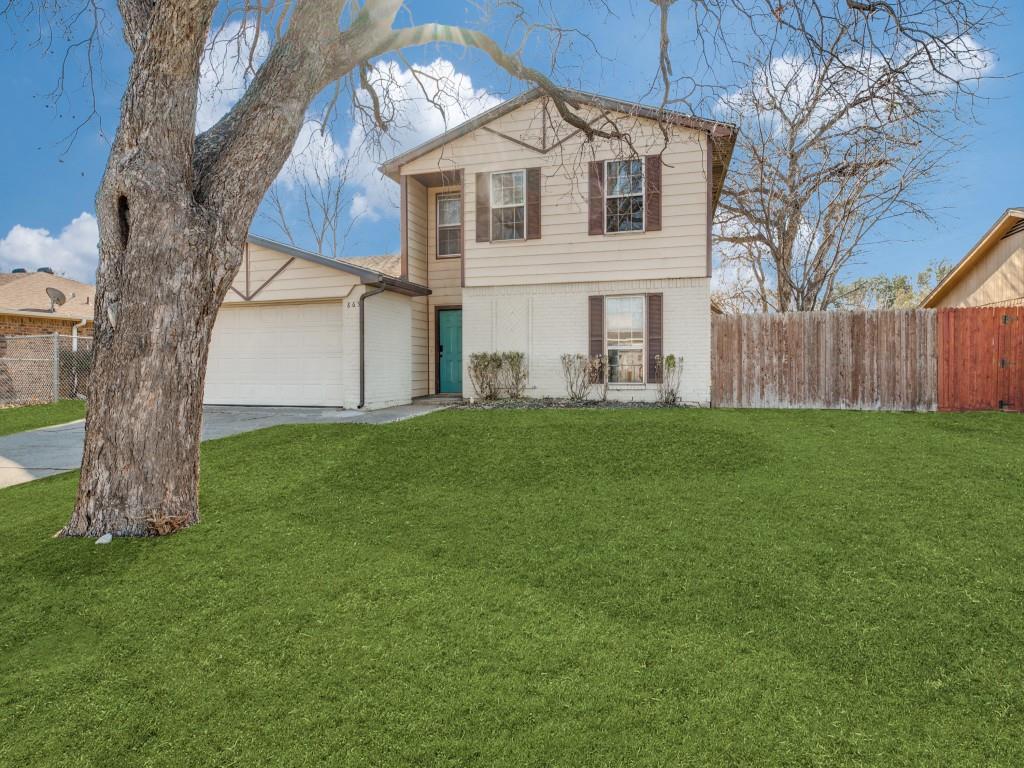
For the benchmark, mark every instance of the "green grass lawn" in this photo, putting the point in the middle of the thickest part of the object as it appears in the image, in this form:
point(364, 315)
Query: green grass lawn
point(608, 588)
point(34, 416)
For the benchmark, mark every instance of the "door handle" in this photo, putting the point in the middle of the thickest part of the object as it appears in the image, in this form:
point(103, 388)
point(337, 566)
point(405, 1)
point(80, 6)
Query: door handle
point(440, 348)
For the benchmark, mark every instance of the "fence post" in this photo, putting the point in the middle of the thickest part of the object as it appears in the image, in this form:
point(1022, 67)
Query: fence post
point(56, 367)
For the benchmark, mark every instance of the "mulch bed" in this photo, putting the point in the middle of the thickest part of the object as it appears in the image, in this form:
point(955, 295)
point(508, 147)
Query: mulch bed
point(536, 403)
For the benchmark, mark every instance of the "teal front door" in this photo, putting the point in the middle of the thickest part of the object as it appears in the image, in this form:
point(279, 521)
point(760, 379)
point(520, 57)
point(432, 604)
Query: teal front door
point(449, 350)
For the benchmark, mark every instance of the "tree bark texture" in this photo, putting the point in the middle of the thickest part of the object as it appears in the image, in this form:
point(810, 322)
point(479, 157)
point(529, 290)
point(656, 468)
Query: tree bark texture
point(174, 211)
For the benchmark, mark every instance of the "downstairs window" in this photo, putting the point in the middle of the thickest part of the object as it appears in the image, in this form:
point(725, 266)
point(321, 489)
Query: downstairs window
point(624, 339)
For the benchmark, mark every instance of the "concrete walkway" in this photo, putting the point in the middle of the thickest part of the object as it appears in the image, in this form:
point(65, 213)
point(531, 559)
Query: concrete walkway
point(26, 456)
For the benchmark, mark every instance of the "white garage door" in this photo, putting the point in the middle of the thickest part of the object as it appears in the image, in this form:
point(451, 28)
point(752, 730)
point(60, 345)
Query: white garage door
point(276, 354)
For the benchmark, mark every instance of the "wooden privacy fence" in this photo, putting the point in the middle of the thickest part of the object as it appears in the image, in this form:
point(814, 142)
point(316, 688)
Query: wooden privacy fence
point(880, 360)
point(981, 359)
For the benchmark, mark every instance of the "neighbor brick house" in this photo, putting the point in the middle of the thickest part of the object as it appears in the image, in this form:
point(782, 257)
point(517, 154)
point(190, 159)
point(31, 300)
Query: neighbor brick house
point(25, 307)
point(516, 235)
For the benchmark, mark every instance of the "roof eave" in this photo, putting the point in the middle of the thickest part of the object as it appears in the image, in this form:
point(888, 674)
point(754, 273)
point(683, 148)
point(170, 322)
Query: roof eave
point(366, 276)
point(717, 130)
point(44, 315)
point(396, 285)
point(967, 262)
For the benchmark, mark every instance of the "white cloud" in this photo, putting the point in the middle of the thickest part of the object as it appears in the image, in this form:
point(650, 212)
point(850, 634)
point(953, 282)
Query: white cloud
point(225, 71)
point(420, 103)
point(415, 118)
point(73, 252)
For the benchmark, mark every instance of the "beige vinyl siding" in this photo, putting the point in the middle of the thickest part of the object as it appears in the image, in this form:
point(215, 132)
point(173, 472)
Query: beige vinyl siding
point(444, 275)
point(565, 252)
point(300, 280)
point(417, 253)
point(996, 279)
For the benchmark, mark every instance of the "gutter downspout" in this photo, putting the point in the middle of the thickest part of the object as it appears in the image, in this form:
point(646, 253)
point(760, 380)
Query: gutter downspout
point(362, 342)
point(74, 349)
point(74, 333)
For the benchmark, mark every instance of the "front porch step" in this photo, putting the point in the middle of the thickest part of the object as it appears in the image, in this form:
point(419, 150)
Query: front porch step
point(442, 399)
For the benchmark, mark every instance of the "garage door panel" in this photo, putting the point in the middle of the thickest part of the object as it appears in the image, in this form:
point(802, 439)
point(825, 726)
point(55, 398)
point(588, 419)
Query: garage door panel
point(287, 354)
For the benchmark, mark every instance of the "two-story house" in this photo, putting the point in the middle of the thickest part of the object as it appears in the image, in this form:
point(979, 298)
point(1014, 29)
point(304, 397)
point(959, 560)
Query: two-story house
point(517, 234)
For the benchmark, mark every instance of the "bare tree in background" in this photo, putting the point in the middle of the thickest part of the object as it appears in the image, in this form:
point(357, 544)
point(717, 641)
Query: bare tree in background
point(174, 207)
point(830, 148)
point(312, 197)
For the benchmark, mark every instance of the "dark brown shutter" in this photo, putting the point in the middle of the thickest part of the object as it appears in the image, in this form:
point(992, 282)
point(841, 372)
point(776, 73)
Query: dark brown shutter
point(596, 331)
point(652, 182)
point(595, 207)
point(483, 208)
point(533, 203)
point(655, 336)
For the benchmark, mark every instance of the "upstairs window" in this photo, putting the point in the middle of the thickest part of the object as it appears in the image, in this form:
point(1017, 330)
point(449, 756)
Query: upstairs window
point(624, 339)
point(508, 205)
point(449, 225)
point(624, 195)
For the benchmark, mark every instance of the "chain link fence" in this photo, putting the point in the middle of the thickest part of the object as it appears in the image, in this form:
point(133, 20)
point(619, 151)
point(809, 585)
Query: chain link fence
point(44, 369)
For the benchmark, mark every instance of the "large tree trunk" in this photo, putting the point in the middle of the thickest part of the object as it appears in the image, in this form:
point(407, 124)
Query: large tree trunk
point(164, 270)
point(173, 211)
point(165, 264)
point(157, 304)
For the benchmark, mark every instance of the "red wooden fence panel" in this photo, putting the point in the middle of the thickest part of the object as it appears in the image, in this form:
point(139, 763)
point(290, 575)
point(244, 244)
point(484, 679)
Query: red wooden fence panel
point(981, 358)
point(1011, 355)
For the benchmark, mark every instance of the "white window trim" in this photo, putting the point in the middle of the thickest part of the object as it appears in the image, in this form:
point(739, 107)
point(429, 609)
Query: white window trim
point(643, 195)
point(437, 223)
point(490, 198)
point(643, 347)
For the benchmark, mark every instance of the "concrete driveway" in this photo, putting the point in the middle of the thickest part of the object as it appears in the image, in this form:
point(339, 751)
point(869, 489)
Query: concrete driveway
point(26, 456)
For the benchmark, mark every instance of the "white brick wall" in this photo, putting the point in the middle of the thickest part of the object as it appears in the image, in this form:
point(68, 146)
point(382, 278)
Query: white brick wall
point(546, 321)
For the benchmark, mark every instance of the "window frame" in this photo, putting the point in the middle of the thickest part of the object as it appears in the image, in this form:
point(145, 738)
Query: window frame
point(642, 196)
point(453, 194)
point(643, 344)
point(492, 206)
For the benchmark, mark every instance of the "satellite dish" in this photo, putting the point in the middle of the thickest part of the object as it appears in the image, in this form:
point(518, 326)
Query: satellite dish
point(57, 298)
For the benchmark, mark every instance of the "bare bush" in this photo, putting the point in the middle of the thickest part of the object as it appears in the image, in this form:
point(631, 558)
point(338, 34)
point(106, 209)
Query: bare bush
point(494, 374)
point(576, 371)
point(599, 376)
point(513, 374)
point(669, 382)
point(485, 374)
point(582, 374)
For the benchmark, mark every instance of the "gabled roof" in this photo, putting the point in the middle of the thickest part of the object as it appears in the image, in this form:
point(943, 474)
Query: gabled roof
point(27, 291)
point(1012, 217)
point(722, 134)
point(366, 275)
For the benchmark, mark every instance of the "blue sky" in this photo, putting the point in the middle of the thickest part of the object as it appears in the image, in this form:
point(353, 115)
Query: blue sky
point(50, 184)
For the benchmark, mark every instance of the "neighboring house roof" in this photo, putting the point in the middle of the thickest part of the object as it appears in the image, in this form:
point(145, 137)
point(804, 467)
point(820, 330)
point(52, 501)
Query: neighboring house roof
point(367, 275)
point(386, 264)
point(722, 135)
point(27, 292)
point(1011, 218)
